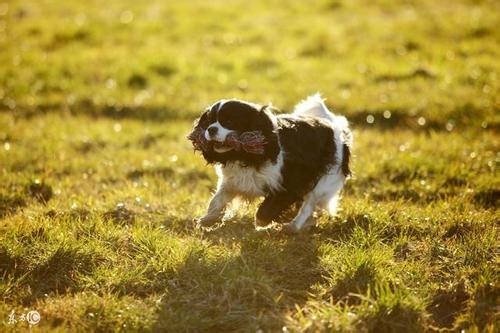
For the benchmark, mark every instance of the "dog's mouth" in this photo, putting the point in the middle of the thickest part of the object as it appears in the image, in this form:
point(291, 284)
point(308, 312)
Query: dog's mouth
point(221, 147)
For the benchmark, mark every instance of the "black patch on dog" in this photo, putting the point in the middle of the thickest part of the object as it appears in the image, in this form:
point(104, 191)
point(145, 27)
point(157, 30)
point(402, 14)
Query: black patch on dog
point(346, 170)
point(309, 151)
point(241, 117)
point(346, 156)
point(274, 206)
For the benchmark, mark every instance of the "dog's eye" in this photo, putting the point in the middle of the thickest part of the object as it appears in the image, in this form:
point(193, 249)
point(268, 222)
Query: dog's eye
point(229, 122)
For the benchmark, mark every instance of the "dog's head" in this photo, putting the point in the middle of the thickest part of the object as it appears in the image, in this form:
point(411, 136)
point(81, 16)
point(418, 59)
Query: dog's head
point(227, 118)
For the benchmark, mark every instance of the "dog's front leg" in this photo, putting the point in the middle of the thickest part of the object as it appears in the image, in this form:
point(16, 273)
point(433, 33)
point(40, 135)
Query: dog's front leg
point(216, 208)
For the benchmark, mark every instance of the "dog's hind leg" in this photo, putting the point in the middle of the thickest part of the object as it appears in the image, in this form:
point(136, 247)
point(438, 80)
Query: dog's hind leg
point(324, 196)
point(328, 191)
point(272, 208)
point(304, 215)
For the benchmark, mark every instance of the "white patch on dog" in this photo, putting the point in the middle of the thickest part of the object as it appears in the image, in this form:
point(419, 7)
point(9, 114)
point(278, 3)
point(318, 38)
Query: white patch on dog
point(249, 181)
point(222, 132)
point(221, 135)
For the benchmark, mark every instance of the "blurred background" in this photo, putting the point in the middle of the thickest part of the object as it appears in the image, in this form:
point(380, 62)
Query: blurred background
point(430, 64)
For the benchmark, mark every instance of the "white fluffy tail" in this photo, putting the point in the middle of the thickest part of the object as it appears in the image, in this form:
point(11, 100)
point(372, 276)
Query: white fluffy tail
point(314, 106)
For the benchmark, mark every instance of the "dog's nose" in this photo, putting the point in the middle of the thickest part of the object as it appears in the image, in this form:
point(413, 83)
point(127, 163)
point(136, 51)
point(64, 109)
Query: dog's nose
point(212, 131)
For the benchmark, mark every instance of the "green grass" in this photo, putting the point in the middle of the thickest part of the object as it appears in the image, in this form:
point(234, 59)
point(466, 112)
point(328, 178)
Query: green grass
point(100, 186)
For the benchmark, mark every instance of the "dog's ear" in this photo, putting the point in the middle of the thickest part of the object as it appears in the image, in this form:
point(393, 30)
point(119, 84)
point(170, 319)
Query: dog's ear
point(267, 120)
point(268, 125)
point(202, 121)
point(205, 118)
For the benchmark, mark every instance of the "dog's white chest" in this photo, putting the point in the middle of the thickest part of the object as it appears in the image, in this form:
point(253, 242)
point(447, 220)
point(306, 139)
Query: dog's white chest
point(249, 181)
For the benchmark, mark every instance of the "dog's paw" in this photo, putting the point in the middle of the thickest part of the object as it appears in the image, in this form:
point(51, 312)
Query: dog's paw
point(310, 223)
point(259, 224)
point(290, 228)
point(206, 221)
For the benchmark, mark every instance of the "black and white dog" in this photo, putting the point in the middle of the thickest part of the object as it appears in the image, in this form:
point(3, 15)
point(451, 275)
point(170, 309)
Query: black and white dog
point(304, 164)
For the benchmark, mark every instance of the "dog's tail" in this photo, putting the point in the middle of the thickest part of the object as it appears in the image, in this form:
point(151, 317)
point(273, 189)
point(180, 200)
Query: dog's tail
point(314, 106)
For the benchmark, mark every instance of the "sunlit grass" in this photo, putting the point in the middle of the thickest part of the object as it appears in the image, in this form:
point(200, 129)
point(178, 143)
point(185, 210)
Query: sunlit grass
point(100, 186)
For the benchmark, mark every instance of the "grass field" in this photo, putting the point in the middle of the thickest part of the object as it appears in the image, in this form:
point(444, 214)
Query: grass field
point(99, 186)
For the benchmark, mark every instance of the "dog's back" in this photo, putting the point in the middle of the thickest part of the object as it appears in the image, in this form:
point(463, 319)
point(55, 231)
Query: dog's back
point(314, 106)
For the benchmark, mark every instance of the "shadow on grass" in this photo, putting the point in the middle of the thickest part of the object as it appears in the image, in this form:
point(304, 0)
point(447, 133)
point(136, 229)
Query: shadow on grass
point(420, 72)
point(446, 305)
point(488, 198)
point(89, 108)
point(10, 204)
point(462, 116)
point(57, 274)
point(249, 288)
point(258, 278)
point(8, 261)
